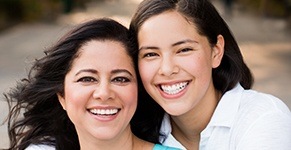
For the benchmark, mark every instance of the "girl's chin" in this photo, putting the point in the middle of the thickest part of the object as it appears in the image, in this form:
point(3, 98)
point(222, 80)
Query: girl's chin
point(173, 111)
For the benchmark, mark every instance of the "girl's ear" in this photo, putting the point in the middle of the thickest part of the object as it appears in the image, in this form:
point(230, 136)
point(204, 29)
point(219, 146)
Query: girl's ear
point(218, 51)
point(62, 100)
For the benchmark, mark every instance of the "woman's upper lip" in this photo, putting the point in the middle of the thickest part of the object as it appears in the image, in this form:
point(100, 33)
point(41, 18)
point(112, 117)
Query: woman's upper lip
point(103, 107)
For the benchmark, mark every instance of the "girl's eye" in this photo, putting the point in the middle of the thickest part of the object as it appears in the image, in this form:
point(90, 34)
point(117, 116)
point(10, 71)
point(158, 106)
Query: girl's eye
point(87, 79)
point(185, 50)
point(121, 80)
point(149, 55)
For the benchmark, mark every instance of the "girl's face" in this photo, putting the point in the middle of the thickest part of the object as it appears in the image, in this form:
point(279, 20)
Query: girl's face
point(100, 91)
point(175, 62)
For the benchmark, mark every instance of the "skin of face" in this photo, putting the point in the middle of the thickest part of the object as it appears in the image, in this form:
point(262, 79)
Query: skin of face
point(100, 92)
point(175, 64)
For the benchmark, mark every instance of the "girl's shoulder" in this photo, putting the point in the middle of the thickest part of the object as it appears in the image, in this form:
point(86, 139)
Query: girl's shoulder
point(161, 147)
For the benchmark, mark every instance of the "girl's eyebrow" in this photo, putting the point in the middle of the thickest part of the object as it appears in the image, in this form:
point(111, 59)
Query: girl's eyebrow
point(173, 45)
point(184, 41)
point(148, 47)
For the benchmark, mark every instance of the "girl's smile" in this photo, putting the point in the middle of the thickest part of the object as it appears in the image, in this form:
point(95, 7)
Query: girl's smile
point(173, 90)
point(176, 66)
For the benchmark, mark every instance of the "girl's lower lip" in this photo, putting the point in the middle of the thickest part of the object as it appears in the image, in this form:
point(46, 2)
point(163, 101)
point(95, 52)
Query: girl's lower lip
point(104, 118)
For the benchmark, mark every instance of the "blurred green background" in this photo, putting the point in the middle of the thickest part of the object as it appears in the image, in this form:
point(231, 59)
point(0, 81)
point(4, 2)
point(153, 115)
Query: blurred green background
point(15, 11)
point(268, 8)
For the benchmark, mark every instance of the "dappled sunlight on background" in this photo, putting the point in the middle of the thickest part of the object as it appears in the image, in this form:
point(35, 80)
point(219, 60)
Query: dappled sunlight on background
point(270, 64)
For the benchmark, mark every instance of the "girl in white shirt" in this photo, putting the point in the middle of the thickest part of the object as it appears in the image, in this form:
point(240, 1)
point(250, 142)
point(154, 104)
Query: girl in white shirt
point(192, 68)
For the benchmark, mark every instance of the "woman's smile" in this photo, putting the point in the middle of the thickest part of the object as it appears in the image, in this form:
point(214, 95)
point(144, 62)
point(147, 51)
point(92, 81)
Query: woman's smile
point(104, 114)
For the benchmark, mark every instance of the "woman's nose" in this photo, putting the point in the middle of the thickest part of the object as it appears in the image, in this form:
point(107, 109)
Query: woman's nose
point(103, 92)
point(168, 67)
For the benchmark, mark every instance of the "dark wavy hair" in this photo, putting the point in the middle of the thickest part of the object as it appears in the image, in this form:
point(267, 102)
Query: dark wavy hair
point(210, 24)
point(44, 121)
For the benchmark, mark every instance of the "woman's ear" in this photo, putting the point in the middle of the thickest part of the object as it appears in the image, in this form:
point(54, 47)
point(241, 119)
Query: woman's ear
point(218, 51)
point(62, 100)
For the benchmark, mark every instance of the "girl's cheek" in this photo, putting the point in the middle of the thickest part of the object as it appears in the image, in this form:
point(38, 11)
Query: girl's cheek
point(145, 70)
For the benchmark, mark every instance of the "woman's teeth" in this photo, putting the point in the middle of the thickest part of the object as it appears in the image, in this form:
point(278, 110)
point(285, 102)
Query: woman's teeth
point(103, 111)
point(175, 88)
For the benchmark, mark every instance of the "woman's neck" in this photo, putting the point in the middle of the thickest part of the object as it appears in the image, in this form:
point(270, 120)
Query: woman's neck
point(187, 128)
point(127, 142)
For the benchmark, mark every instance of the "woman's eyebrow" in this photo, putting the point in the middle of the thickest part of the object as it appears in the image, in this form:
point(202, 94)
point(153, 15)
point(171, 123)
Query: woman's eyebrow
point(115, 71)
point(87, 70)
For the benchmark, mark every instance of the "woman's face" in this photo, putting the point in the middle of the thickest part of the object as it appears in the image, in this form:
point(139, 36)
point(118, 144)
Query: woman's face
point(175, 62)
point(100, 91)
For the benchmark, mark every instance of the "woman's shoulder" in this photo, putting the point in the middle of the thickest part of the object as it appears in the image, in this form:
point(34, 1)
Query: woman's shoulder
point(40, 147)
point(161, 147)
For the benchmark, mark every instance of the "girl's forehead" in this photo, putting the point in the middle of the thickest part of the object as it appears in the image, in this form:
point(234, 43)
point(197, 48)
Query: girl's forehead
point(167, 25)
point(167, 19)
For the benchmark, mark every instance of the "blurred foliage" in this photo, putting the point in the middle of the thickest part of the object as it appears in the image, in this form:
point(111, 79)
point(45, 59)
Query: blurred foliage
point(269, 8)
point(15, 11)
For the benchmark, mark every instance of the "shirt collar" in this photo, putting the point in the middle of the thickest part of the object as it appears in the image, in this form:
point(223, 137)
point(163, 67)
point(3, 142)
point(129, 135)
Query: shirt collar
point(224, 115)
point(166, 128)
point(167, 138)
point(227, 108)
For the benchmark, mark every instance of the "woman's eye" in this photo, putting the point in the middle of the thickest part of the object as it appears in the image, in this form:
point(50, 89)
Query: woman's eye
point(86, 79)
point(185, 50)
point(121, 80)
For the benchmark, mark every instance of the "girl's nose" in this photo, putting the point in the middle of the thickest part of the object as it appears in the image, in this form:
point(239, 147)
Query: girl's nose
point(168, 67)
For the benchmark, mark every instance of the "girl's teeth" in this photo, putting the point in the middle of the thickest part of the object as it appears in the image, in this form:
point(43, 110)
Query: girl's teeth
point(174, 89)
point(103, 111)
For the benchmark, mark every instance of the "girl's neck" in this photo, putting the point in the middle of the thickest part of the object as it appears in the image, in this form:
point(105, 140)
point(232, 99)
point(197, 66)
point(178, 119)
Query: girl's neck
point(187, 128)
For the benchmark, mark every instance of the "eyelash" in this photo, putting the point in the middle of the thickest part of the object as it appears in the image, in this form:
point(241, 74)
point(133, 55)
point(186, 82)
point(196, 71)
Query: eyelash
point(87, 79)
point(152, 54)
point(185, 50)
point(121, 80)
point(116, 79)
point(149, 55)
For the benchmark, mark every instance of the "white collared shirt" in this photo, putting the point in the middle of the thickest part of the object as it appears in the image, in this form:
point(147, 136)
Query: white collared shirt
point(40, 147)
point(243, 120)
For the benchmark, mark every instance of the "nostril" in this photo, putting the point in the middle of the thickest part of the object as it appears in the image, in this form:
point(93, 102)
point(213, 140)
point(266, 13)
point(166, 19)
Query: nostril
point(168, 68)
point(103, 93)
